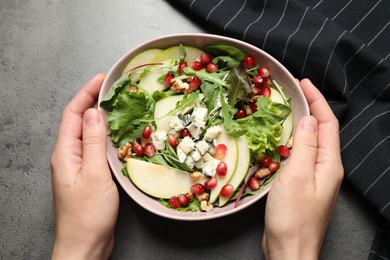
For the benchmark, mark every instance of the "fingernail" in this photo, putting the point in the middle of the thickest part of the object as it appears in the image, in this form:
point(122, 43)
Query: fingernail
point(309, 123)
point(91, 117)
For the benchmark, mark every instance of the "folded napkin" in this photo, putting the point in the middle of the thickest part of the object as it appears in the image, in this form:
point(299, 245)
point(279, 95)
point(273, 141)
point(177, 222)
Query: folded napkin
point(343, 47)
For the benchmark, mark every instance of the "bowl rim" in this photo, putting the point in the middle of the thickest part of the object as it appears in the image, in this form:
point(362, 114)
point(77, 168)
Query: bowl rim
point(187, 216)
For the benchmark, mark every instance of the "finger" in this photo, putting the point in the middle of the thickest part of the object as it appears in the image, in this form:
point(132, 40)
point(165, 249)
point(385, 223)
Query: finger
point(328, 124)
point(94, 144)
point(301, 164)
point(71, 121)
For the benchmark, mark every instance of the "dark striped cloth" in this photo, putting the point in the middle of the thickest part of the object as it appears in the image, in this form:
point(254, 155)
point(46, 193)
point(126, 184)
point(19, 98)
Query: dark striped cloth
point(343, 46)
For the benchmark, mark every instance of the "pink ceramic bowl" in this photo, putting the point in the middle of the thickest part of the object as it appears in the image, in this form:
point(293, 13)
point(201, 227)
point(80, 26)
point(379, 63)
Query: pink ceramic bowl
point(279, 73)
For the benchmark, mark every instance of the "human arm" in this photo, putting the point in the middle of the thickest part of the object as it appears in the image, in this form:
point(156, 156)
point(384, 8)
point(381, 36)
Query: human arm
point(86, 199)
point(301, 200)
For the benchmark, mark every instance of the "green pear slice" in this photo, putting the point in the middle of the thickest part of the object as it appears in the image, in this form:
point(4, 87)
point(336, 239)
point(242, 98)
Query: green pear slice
point(241, 171)
point(160, 181)
point(230, 159)
point(150, 78)
point(175, 52)
point(288, 124)
point(163, 107)
point(144, 57)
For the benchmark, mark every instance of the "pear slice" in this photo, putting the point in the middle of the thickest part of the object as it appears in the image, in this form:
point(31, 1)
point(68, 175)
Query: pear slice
point(241, 169)
point(150, 78)
point(144, 57)
point(175, 52)
point(288, 124)
point(160, 181)
point(230, 159)
point(163, 107)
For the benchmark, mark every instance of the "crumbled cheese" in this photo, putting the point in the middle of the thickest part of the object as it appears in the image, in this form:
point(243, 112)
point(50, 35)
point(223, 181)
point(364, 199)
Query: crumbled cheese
point(199, 115)
point(158, 139)
point(195, 155)
point(176, 124)
point(190, 162)
point(199, 164)
point(195, 130)
point(212, 133)
point(181, 155)
point(187, 145)
point(210, 167)
point(207, 157)
point(202, 146)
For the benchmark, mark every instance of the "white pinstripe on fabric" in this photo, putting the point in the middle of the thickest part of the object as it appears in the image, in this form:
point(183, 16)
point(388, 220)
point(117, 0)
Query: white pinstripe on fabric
point(378, 255)
point(255, 21)
point(368, 155)
point(291, 35)
point(364, 127)
point(365, 76)
point(364, 17)
point(364, 109)
point(276, 25)
point(380, 32)
point(377, 179)
point(212, 10)
point(330, 58)
point(314, 7)
point(193, 1)
point(311, 43)
point(234, 17)
point(345, 65)
point(345, 6)
point(383, 209)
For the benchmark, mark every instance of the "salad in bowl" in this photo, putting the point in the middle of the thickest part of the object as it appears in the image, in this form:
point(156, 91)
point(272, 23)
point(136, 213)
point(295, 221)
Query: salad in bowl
point(199, 129)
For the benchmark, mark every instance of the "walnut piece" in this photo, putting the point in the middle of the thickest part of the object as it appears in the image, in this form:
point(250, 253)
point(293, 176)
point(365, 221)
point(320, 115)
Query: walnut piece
point(206, 206)
point(262, 173)
point(124, 152)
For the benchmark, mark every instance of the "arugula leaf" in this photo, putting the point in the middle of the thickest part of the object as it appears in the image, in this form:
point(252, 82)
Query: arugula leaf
point(221, 49)
point(232, 127)
point(274, 113)
point(192, 206)
point(226, 61)
point(188, 100)
point(205, 76)
point(119, 86)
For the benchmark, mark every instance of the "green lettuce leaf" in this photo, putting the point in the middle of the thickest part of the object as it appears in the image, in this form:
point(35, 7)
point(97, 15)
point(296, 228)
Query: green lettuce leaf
point(119, 86)
point(128, 111)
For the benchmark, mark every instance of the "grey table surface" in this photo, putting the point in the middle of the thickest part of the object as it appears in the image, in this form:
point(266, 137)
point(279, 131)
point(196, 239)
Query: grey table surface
point(48, 50)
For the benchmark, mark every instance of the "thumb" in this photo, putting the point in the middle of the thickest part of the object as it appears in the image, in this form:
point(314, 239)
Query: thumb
point(94, 142)
point(303, 157)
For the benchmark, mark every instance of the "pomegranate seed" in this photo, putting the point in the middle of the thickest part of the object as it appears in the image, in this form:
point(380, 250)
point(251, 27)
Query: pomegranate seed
point(138, 148)
point(197, 189)
point(211, 67)
point(249, 62)
point(220, 151)
point(210, 183)
point(182, 65)
point(241, 113)
point(184, 133)
point(253, 107)
point(221, 169)
point(284, 151)
point(183, 200)
point(150, 150)
point(147, 132)
point(264, 72)
point(133, 88)
point(168, 80)
point(205, 58)
point(274, 166)
point(266, 161)
point(266, 92)
point(173, 141)
point(254, 183)
point(196, 65)
point(259, 81)
point(226, 191)
point(195, 83)
point(174, 202)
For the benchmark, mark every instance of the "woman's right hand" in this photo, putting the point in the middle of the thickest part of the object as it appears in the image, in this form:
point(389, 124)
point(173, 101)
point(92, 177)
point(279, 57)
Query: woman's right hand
point(301, 200)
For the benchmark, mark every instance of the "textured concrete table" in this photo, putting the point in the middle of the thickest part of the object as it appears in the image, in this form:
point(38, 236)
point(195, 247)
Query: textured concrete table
point(48, 50)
